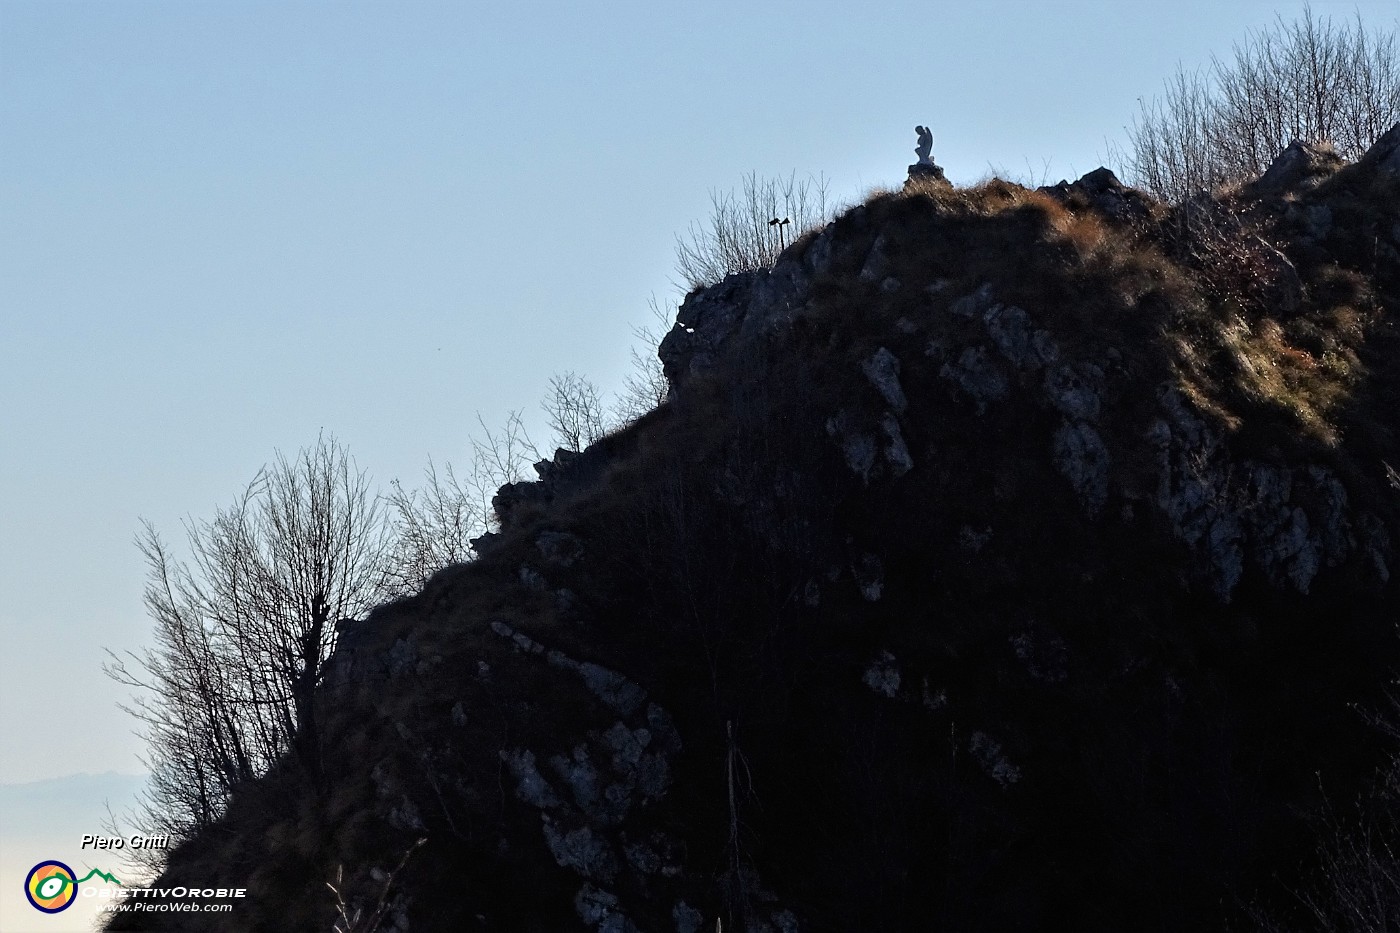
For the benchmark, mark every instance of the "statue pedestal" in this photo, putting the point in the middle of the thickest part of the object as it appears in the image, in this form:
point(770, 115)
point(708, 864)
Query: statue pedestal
point(926, 172)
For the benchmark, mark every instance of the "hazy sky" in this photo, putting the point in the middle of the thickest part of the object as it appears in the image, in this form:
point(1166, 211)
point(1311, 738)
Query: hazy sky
point(226, 226)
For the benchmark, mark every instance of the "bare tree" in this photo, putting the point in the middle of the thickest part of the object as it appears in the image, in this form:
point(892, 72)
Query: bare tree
point(741, 236)
point(244, 629)
point(575, 411)
point(1311, 80)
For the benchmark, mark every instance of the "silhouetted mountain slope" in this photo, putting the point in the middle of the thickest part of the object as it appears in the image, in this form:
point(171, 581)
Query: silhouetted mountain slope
point(1004, 560)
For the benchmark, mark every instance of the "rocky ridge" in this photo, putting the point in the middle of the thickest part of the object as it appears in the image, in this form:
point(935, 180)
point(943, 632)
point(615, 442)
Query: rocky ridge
point(1002, 559)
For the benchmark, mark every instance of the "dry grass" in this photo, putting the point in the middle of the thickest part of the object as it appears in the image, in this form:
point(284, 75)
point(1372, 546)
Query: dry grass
point(1203, 295)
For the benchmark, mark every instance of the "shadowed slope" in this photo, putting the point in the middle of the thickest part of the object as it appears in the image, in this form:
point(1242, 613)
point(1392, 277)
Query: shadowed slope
point(1004, 559)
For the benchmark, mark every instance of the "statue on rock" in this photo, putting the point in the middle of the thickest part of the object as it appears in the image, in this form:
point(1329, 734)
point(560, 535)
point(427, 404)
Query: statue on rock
point(925, 168)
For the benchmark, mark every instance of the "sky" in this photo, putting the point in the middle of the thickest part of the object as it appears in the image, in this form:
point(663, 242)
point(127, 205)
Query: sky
point(226, 227)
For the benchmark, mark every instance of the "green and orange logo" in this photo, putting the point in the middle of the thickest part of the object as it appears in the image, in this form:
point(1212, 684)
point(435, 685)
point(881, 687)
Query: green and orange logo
point(52, 886)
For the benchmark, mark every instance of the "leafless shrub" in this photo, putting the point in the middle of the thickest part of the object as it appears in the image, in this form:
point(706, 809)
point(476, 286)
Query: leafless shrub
point(1356, 888)
point(433, 527)
point(1032, 177)
point(645, 388)
point(1311, 80)
point(352, 918)
point(739, 236)
point(1224, 248)
point(1360, 880)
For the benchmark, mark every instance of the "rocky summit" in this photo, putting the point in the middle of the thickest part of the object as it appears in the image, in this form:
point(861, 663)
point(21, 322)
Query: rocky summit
point(1003, 559)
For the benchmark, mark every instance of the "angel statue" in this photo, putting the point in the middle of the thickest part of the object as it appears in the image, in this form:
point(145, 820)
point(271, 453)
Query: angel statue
point(925, 148)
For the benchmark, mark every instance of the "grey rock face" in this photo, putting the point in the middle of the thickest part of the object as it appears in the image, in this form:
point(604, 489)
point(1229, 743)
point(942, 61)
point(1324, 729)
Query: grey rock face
point(1045, 656)
point(990, 756)
point(1299, 167)
point(882, 675)
point(599, 909)
point(522, 641)
point(1021, 345)
point(403, 657)
point(565, 470)
point(559, 547)
point(817, 259)
point(857, 447)
point(870, 577)
point(1075, 389)
point(1082, 458)
point(594, 904)
point(746, 303)
point(687, 918)
point(870, 449)
point(405, 815)
point(976, 303)
point(1106, 193)
point(896, 452)
point(978, 376)
point(663, 730)
point(1319, 221)
point(581, 776)
point(612, 688)
point(1384, 154)
point(642, 858)
point(1283, 286)
point(602, 780)
point(973, 541)
point(706, 320)
point(778, 294)
point(617, 923)
point(619, 693)
point(581, 849)
point(882, 369)
point(1290, 522)
point(877, 263)
point(530, 786)
point(512, 495)
point(532, 579)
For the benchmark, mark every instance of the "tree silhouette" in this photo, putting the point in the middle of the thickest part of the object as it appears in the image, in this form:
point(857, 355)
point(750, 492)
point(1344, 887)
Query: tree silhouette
point(1310, 80)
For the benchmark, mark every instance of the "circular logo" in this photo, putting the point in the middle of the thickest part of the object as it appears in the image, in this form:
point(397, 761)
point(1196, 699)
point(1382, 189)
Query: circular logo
point(51, 886)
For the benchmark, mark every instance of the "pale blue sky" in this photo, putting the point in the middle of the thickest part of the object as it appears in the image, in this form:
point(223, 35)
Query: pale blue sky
point(224, 227)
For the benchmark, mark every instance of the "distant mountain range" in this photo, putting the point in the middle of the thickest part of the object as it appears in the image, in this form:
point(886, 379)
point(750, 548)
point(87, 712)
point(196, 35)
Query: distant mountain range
point(76, 803)
point(47, 820)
